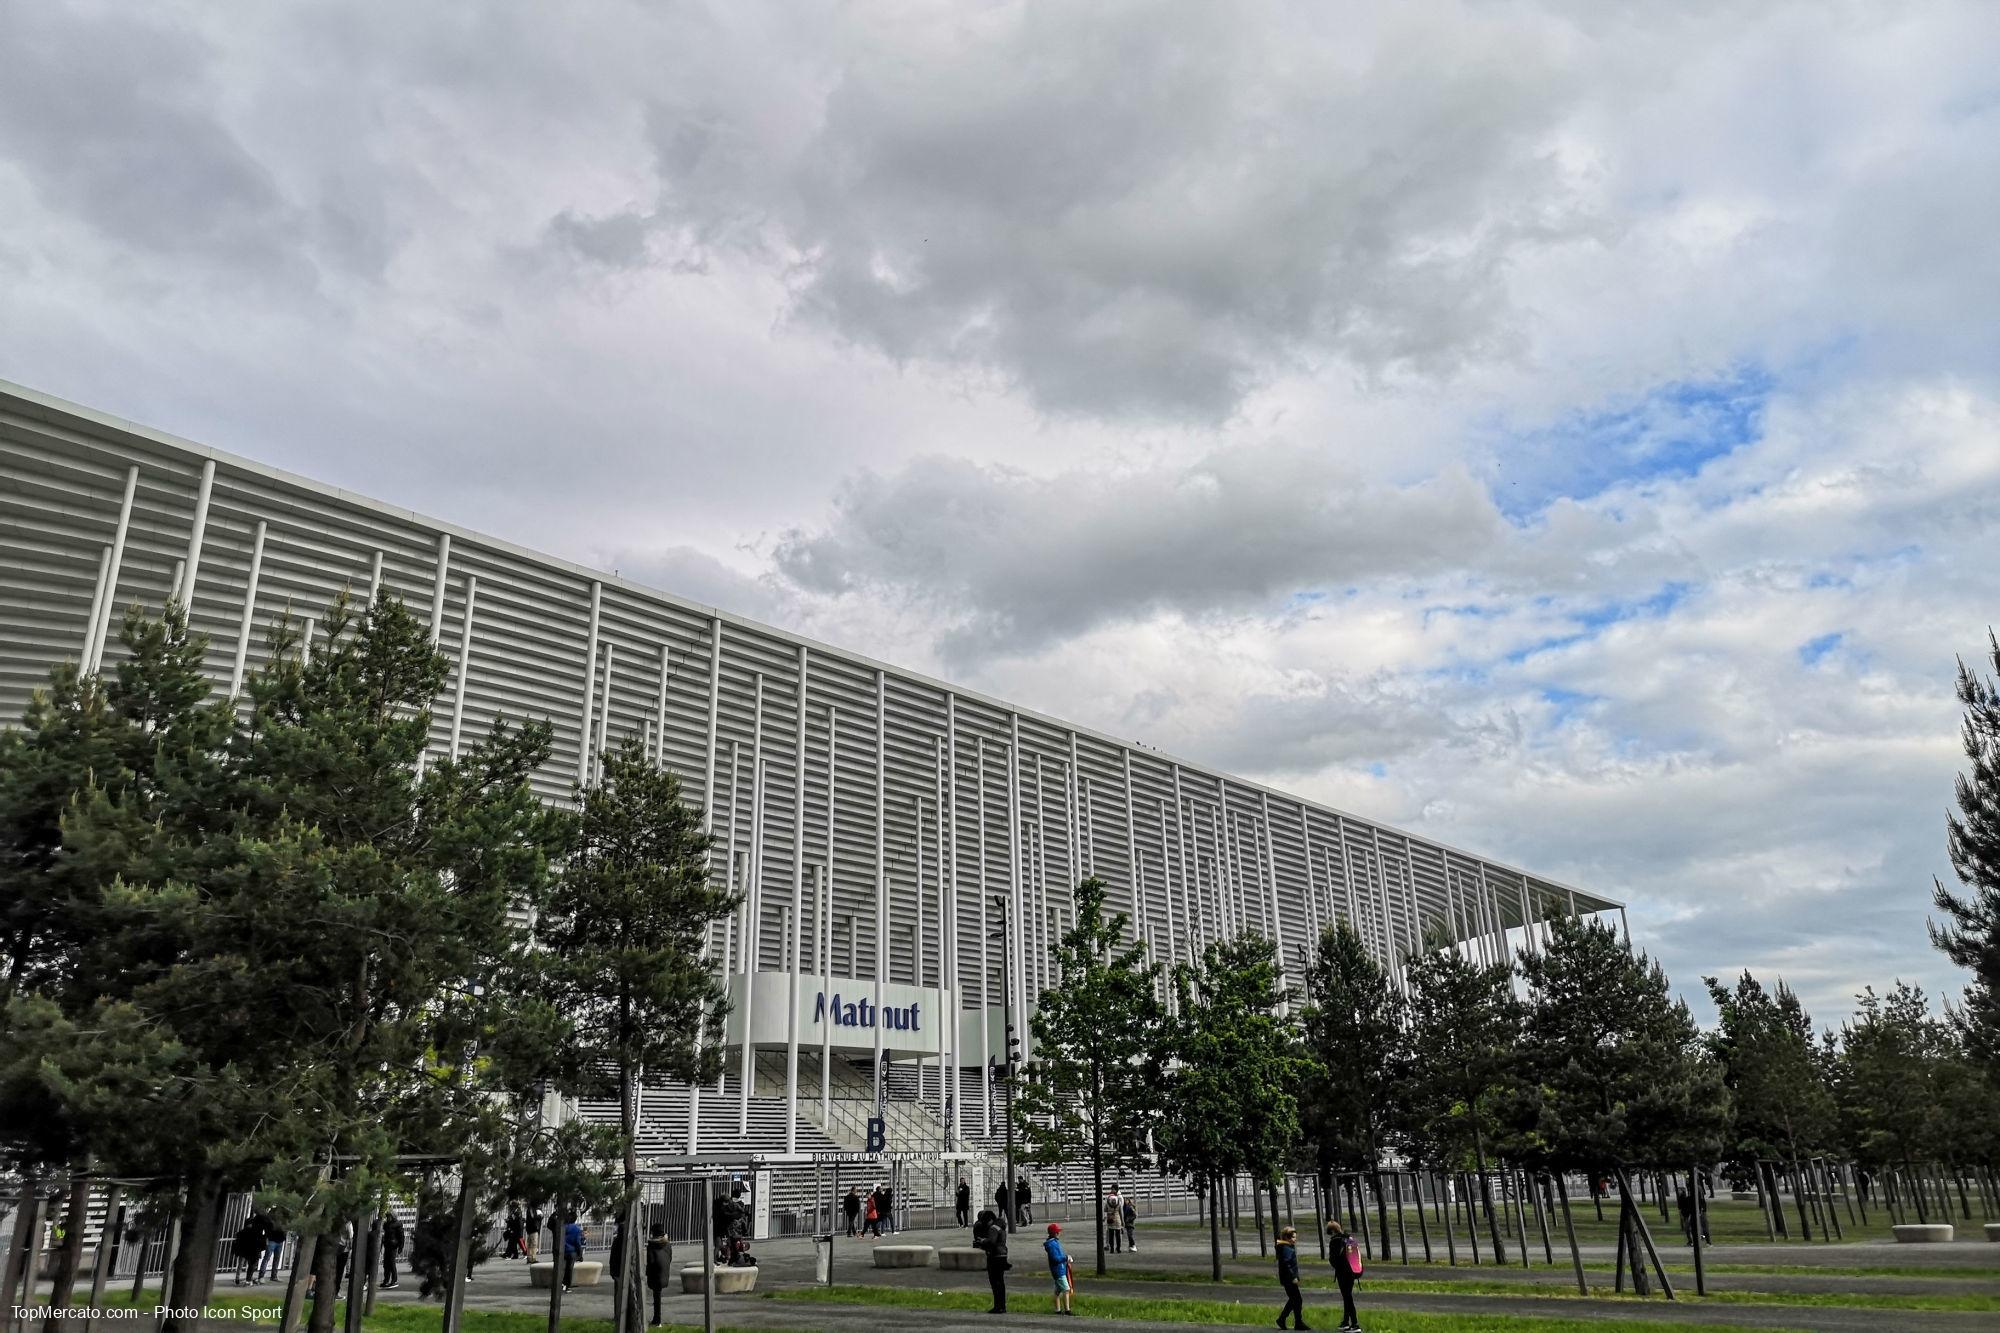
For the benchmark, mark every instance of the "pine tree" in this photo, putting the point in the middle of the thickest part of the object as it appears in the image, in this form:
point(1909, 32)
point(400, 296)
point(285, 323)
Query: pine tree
point(1229, 1098)
point(1775, 1071)
point(1090, 1090)
point(623, 935)
point(1970, 937)
point(1625, 1076)
point(1353, 1025)
point(1464, 1026)
point(1891, 1051)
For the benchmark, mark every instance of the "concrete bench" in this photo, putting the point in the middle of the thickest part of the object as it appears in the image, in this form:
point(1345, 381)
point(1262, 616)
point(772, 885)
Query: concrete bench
point(588, 1273)
point(728, 1281)
point(962, 1258)
point(1922, 1233)
point(1993, 1231)
point(905, 1256)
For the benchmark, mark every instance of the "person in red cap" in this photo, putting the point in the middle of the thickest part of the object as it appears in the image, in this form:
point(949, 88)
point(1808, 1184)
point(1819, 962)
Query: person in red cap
point(1059, 1271)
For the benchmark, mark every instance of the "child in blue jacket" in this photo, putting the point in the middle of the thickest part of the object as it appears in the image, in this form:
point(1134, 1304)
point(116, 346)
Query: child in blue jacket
point(1058, 1268)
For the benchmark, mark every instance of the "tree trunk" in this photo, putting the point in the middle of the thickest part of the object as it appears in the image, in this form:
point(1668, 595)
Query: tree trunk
point(1257, 1207)
point(70, 1257)
point(194, 1260)
point(303, 1261)
point(562, 1240)
point(1464, 1183)
point(27, 1216)
point(1229, 1213)
point(629, 1305)
point(1214, 1231)
point(1097, 1190)
point(1923, 1211)
point(1486, 1190)
point(1646, 1239)
point(1569, 1227)
point(326, 1255)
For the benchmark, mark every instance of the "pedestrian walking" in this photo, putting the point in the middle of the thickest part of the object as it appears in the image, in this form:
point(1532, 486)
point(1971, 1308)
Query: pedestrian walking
point(1344, 1253)
point(962, 1202)
point(274, 1250)
point(1288, 1278)
point(513, 1231)
point(871, 1219)
point(1131, 1227)
point(989, 1233)
point(572, 1248)
point(392, 1250)
point(1059, 1268)
point(888, 1209)
point(1114, 1220)
point(659, 1262)
point(343, 1254)
point(851, 1205)
point(532, 1232)
point(1003, 1199)
point(1024, 1196)
point(617, 1251)
point(247, 1247)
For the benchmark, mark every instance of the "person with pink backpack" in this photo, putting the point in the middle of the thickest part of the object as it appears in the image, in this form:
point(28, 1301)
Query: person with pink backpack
point(1344, 1253)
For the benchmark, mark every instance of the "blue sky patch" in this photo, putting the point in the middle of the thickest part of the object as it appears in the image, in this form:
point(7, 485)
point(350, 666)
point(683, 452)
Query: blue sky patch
point(1812, 650)
point(1673, 430)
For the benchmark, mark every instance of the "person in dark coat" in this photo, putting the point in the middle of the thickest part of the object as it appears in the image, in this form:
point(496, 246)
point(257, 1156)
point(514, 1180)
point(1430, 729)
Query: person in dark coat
point(888, 1209)
point(1023, 1196)
point(247, 1247)
point(1344, 1253)
point(1288, 1278)
point(851, 1205)
point(532, 1233)
point(1003, 1199)
point(989, 1234)
point(617, 1263)
point(572, 1248)
point(659, 1262)
point(392, 1249)
point(514, 1231)
point(963, 1202)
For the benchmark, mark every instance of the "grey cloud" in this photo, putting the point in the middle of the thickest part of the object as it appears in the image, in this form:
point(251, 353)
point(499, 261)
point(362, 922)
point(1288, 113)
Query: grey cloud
point(110, 118)
point(1018, 561)
point(1126, 210)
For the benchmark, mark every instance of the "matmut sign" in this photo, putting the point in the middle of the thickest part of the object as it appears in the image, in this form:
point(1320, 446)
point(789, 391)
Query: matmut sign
point(862, 1013)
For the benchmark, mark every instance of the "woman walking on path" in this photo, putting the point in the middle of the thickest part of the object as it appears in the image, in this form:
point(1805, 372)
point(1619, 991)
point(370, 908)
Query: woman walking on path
point(1059, 1270)
point(851, 1205)
point(659, 1262)
point(1344, 1254)
point(1288, 1278)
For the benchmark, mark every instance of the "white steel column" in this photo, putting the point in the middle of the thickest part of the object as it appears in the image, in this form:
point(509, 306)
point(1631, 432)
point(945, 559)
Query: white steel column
point(1168, 863)
point(604, 709)
point(1271, 865)
point(985, 957)
point(794, 962)
point(1495, 947)
point(191, 568)
point(881, 864)
point(1185, 866)
point(659, 755)
point(438, 587)
point(714, 709)
point(951, 1034)
point(1017, 982)
point(826, 898)
point(1382, 903)
point(589, 669)
point(464, 662)
point(249, 610)
point(750, 939)
point(375, 578)
point(1347, 882)
point(1132, 851)
point(1039, 937)
point(946, 890)
point(101, 632)
point(96, 609)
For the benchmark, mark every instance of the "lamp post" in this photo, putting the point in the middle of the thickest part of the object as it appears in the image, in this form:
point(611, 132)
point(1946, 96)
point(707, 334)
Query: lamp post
point(1007, 1069)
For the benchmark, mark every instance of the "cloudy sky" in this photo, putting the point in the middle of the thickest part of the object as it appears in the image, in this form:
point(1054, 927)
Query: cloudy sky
point(1572, 429)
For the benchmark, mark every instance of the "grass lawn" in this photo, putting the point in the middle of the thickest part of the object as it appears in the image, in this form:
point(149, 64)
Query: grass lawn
point(1226, 1312)
point(1957, 1302)
point(400, 1317)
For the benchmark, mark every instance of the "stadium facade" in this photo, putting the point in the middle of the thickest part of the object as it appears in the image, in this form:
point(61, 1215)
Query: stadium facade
point(880, 824)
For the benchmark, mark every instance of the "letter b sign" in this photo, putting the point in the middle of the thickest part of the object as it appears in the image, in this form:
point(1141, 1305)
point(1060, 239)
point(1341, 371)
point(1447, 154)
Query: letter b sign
point(876, 1133)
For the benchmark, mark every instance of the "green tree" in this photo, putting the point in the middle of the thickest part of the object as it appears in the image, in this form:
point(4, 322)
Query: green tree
point(1464, 1027)
point(1229, 1102)
point(1891, 1052)
point(1353, 1026)
point(623, 936)
point(1089, 1092)
point(1624, 1073)
point(1775, 1071)
point(1970, 935)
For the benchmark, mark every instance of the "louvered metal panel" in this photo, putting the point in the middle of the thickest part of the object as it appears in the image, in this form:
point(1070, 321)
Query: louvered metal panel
point(1188, 854)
